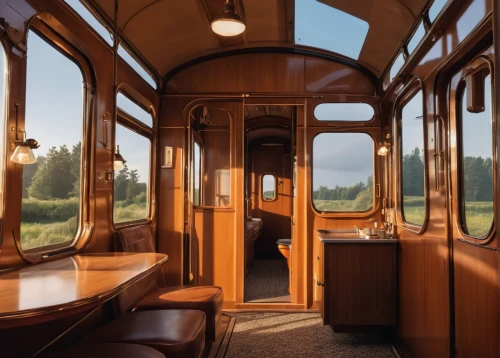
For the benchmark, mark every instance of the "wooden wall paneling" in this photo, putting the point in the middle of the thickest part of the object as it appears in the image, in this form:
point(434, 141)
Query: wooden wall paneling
point(269, 73)
point(171, 204)
point(226, 75)
point(322, 76)
point(476, 301)
point(275, 73)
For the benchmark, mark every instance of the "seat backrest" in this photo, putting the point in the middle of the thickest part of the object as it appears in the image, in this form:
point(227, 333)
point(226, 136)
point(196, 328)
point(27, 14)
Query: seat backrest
point(135, 239)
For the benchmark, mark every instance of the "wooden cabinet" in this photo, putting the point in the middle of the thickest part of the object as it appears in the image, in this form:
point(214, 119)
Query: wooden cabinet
point(359, 284)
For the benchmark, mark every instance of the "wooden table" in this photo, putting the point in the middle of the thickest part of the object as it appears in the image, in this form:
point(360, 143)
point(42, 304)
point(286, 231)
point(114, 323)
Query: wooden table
point(46, 291)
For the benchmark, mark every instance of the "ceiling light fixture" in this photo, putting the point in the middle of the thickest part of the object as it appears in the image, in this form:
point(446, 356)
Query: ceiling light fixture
point(228, 22)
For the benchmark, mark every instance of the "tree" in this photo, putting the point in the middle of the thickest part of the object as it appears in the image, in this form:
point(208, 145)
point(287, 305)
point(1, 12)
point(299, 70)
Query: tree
point(54, 178)
point(29, 172)
point(413, 174)
point(121, 183)
point(132, 185)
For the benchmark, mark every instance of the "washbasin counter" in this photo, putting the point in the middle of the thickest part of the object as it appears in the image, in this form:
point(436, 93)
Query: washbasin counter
point(344, 236)
point(357, 280)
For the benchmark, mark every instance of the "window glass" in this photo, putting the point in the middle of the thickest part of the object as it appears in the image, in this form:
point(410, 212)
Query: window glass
point(133, 109)
point(318, 25)
point(54, 117)
point(268, 187)
point(348, 112)
point(139, 68)
point(3, 75)
point(396, 66)
point(91, 20)
point(477, 166)
point(196, 174)
point(342, 170)
point(412, 161)
point(436, 8)
point(415, 39)
point(131, 185)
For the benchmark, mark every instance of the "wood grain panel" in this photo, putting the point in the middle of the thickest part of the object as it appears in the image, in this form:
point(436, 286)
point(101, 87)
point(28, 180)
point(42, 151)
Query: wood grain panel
point(366, 296)
point(276, 73)
point(269, 73)
point(322, 76)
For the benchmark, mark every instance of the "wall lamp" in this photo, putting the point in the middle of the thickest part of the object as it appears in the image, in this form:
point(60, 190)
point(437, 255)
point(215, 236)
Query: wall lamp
point(118, 160)
point(227, 22)
point(385, 147)
point(23, 149)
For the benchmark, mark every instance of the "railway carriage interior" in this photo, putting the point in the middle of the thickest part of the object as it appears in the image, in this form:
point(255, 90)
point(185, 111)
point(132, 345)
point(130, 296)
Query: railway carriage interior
point(238, 178)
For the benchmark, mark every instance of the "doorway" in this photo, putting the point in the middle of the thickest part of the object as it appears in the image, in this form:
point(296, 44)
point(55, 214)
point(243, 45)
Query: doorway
point(269, 153)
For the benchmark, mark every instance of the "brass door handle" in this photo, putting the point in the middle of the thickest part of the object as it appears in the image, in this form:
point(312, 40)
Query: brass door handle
point(320, 283)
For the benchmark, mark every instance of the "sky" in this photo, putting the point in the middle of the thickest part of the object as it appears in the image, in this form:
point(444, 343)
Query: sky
point(55, 100)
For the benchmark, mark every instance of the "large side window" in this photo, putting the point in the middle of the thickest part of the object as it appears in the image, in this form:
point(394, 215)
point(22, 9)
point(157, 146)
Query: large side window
point(342, 172)
point(51, 199)
point(3, 74)
point(412, 161)
point(476, 162)
point(131, 200)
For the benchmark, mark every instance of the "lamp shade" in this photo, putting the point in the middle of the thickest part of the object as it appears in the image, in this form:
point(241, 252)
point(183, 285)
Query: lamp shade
point(23, 154)
point(228, 22)
point(118, 160)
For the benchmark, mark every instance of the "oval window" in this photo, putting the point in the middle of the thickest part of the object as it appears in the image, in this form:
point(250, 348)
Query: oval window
point(268, 187)
point(344, 112)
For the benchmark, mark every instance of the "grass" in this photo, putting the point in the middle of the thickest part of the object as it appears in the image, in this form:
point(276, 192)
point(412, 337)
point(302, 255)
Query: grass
point(42, 226)
point(123, 212)
point(35, 235)
point(479, 215)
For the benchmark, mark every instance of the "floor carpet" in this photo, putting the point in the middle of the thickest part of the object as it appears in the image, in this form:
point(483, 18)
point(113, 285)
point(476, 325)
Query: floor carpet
point(267, 281)
point(265, 334)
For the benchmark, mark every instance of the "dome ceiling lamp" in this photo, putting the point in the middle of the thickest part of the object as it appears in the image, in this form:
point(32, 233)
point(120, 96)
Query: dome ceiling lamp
point(227, 22)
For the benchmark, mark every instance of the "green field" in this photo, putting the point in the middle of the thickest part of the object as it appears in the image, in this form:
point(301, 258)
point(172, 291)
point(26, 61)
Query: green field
point(51, 222)
point(479, 215)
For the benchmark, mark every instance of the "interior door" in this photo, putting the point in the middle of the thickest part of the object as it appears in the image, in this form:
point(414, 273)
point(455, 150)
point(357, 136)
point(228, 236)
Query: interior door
point(474, 241)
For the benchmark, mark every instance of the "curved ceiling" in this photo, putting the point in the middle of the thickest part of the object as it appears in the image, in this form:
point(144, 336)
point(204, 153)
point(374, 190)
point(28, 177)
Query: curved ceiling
point(169, 33)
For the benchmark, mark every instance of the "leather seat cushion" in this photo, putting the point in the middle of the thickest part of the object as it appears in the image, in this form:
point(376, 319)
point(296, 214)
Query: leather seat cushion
point(175, 333)
point(108, 350)
point(208, 299)
point(286, 242)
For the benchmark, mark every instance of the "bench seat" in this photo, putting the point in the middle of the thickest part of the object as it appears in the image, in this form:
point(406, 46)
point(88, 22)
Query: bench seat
point(208, 299)
point(175, 333)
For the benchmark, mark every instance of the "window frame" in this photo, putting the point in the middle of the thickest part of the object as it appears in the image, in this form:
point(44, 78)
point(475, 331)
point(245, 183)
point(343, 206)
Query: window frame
point(3, 132)
point(140, 62)
point(86, 207)
point(376, 175)
point(460, 206)
point(135, 125)
point(407, 94)
point(275, 196)
point(97, 17)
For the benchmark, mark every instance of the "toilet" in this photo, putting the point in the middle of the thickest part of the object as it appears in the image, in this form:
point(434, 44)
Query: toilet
point(285, 248)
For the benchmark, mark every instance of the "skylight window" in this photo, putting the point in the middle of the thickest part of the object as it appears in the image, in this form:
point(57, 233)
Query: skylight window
point(415, 39)
point(436, 8)
point(325, 27)
point(126, 105)
point(396, 66)
point(136, 66)
point(91, 20)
